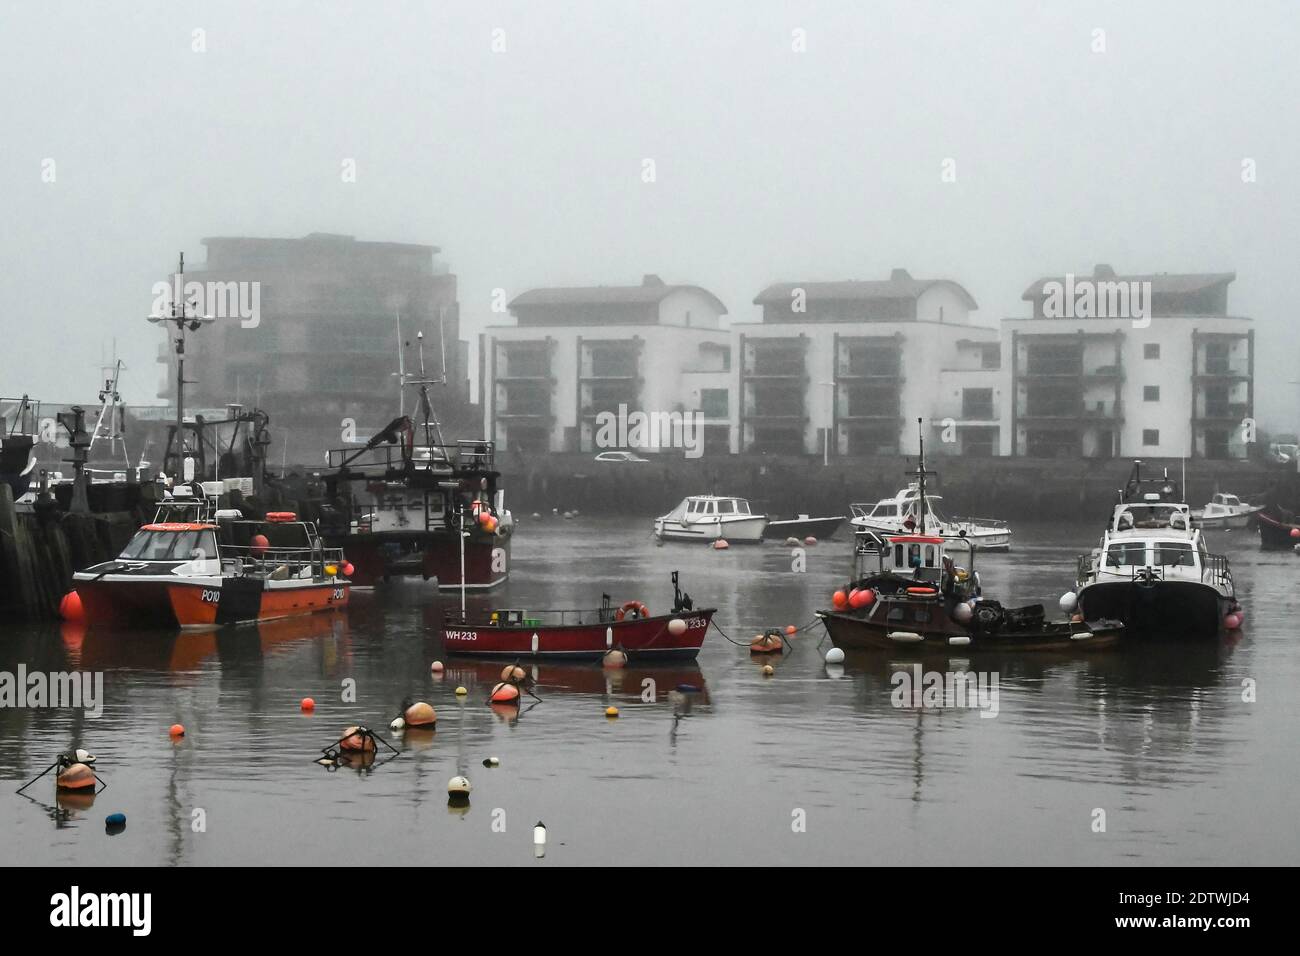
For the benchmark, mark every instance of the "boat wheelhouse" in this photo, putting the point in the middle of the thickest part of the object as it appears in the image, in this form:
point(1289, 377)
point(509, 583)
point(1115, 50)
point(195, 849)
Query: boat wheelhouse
point(710, 518)
point(1152, 569)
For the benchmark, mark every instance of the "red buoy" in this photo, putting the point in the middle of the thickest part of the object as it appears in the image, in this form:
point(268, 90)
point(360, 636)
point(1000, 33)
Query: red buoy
point(70, 608)
point(840, 600)
point(504, 693)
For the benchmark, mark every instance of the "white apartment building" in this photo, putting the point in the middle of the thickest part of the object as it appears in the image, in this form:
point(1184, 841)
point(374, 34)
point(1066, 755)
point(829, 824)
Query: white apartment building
point(845, 369)
point(573, 353)
point(1177, 381)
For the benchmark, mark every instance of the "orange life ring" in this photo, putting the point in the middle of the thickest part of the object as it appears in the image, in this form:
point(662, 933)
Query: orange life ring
point(640, 609)
point(278, 516)
point(926, 591)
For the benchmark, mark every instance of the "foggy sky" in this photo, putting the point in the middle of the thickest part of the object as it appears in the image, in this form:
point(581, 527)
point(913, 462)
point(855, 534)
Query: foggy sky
point(525, 166)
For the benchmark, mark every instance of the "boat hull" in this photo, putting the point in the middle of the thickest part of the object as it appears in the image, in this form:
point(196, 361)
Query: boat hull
point(1274, 533)
point(822, 528)
point(740, 531)
point(644, 639)
point(213, 602)
point(382, 556)
point(992, 540)
point(122, 600)
point(850, 631)
point(1186, 610)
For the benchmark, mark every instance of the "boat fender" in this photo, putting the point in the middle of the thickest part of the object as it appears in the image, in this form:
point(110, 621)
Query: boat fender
point(1068, 602)
point(922, 591)
point(677, 627)
point(835, 656)
point(614, 658)
point(905, 637)
point(962, 613)
point(958, 640)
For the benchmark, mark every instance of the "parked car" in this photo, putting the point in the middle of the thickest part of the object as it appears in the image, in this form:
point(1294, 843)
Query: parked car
point(617, 456)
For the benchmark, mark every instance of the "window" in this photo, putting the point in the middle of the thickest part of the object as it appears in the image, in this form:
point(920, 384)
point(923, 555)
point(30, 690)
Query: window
point(1151, 350)
point(977, 404)
point(726, 507)
point(1150, 393)
point(1126, 554)
point(1169, 554)
point(1150, 436)
point(714, 402)
point(991, 356)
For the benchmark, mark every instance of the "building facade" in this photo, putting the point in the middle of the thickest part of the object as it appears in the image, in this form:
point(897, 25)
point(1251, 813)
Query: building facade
point(1130, 366)
point(575, 355)
point(321, 354)
point(842, 368)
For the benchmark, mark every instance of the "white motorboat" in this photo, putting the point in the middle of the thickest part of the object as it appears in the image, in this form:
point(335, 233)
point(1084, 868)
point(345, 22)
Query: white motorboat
point(1225, 511)
point(1152, 569)
point(901, 514)
point(710, 518)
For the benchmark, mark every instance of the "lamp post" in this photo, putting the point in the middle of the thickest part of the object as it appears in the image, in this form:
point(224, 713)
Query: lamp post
point(183, 316)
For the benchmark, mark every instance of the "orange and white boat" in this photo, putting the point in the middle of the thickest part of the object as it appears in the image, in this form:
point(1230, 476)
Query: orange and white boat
point(216, 568)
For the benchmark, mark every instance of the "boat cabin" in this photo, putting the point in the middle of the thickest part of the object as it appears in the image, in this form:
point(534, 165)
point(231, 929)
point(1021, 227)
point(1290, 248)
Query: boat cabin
point(1151, 515)
point(709, 506)
point(922, 560)
point(1226, 501)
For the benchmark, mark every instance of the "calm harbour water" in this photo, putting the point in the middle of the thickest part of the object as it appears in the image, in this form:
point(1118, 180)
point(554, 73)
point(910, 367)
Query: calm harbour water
point(1159, 737)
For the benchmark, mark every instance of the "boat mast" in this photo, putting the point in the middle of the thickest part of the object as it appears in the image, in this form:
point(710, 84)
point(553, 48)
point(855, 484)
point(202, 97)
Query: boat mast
point(920, 474)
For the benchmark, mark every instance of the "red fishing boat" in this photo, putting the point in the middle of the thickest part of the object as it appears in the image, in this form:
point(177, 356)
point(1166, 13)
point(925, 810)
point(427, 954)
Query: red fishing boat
point(583, 634)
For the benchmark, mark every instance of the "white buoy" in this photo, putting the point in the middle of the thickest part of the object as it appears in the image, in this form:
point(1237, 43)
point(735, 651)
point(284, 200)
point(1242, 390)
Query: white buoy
point(792, 542)
point(835, 656)
point(614, 658)
point(458, 786)
point(539, 834)
point(492, 762)
point(962, 613)
point(397, 725)
point(1069, 601)
point(436, 667)
point(85, 756)
point(677, 627)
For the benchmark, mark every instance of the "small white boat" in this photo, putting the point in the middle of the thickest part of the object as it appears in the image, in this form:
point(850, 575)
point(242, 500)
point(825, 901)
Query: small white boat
point(710, 518)
point(901, 514)
point(1225, 511)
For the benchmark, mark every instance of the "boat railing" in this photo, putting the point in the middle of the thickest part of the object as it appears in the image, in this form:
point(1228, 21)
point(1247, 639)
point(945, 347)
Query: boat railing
point(521, 617)
point(280, 563)
point(1214, 571)
point(464, 455)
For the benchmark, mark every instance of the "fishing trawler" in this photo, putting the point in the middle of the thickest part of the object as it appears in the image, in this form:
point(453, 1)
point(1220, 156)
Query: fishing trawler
point(1152, 569)
point(574, 634)
point(909, 591)
point(406, 503)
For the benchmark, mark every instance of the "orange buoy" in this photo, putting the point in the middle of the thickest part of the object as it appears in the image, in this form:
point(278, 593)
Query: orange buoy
point(839, 600)
point(721, 545)
point(512, 672)
point(308, 704)
point(75, 776)
point(504, 693)
point(258, 544)
point(70, 608)
point(420, 714)
point(177, 730)
point(766, 644)
point(354, 740)
point(791, 629)
point(348, 569)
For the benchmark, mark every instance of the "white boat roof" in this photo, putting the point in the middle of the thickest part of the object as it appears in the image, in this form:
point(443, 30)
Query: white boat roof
point(714, 498)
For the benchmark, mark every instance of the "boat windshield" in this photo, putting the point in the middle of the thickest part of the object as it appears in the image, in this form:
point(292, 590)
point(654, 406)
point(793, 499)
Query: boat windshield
point(1148, 516)
point(1126, 554)
point(170, 546)
point(742, 507)
point(1174, 554)
point(885, 510)
point(726, 507)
